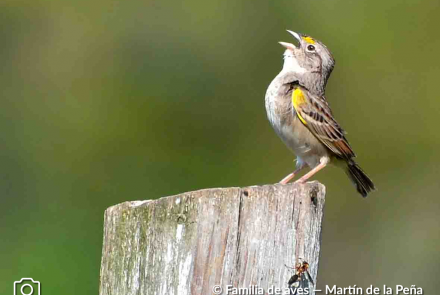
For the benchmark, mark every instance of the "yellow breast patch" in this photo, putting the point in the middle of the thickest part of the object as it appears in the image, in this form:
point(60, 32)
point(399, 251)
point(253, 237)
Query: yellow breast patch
point(309, 39)
point(298, 99)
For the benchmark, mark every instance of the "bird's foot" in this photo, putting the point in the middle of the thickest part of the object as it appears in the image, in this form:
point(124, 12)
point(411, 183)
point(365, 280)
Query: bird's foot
point(301, 180)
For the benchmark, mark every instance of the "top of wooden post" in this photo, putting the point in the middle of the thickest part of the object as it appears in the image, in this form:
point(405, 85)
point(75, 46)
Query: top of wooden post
point(228, 237)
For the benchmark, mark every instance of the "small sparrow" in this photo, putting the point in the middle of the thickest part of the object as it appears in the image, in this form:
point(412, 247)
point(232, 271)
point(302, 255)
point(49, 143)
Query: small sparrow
point(301, 116)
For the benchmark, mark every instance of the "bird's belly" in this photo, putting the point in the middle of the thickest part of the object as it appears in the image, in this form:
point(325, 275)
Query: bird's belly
point(291, 130)
point(302, 143)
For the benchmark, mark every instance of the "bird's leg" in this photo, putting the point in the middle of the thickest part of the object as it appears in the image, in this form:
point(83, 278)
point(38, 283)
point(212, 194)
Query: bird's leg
point(286, 179)
point(322, 164)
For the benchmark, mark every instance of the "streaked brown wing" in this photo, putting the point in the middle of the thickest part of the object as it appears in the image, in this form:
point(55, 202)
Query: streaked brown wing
point(316, 115)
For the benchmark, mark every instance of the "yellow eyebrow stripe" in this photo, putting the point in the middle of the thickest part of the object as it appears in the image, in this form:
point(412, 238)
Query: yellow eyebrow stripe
point(298, 98)
point(309, 39)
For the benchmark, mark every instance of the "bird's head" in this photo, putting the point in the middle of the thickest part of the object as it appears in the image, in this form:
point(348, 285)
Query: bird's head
point(309, 59)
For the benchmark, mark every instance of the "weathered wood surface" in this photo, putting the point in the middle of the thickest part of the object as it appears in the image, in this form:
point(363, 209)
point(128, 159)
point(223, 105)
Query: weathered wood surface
point(188, 243)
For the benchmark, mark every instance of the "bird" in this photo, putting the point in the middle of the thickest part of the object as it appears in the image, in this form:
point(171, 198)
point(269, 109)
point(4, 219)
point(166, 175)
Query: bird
point(300, 114)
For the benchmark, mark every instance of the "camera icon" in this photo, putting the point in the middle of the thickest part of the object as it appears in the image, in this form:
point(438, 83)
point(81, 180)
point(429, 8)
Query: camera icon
point(26, 286)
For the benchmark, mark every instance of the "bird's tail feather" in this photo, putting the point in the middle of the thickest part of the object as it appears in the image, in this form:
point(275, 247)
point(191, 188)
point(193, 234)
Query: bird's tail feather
point(363, 183)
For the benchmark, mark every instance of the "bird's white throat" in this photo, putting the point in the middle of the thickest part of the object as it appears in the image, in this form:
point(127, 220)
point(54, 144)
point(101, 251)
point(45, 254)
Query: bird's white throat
point(291, 64)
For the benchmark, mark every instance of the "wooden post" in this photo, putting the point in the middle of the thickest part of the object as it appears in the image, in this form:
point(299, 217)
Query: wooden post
point(189, 243)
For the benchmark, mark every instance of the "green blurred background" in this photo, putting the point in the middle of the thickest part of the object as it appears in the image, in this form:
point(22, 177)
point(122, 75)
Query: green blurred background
point(108, 101)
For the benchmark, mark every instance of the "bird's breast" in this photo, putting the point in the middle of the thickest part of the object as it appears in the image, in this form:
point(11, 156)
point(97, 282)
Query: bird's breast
point(285, 122)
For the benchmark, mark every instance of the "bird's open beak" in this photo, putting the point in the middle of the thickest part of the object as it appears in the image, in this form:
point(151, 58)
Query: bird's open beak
point(290, 45)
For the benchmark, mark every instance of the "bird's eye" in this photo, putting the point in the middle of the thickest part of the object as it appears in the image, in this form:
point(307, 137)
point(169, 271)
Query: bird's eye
point(310, 48)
